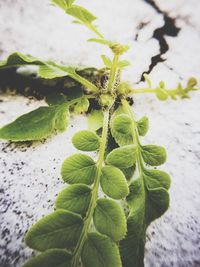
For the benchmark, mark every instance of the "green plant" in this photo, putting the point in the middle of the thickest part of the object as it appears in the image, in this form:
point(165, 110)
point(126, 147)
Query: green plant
point(85, 228)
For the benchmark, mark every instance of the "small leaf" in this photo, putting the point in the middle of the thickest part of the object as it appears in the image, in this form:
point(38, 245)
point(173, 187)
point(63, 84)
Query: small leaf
point(153, 155)
point(86, 141)
point(50, 258)
point(122, 157)
point(121, 127)
point(95, 120)
point(82, 105)
point(107, 62)
point(161, 94)
point(81, 14)
point(113, 182)
point(62, 118)
point(123, 64)
point(64, 4)
point(122, 124)
point(156, 178)
point(35, 125)
point(75, 198)
point(158, 203)
point(78, 169)
point(143, 126)
point(59, 229)
point(109, 219)
point(100, 251)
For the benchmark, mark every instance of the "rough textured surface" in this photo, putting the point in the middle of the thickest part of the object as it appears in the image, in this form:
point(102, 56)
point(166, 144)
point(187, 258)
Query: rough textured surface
point(30, 176)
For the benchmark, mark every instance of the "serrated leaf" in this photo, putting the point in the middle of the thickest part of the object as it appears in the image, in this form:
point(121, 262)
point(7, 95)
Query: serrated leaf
point(121, 127)
point(122, 157)
point(75, 198)
point(86, 141)
point(113, 182)
point(147, 200)
point(100, 251)
point(82, 105)
point(109, 219)
point(153, 155)
point(50, 258)
point(59, 229)
point(143, 126)
point(101, 41)
point(81, 14)
point(161, 94)
point(78, 169)
point(95, 120)
point(107, 62)
point(35, 125)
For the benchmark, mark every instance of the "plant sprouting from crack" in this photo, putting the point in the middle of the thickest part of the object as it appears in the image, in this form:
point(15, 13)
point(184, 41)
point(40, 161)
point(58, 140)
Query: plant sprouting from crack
point(84, 228)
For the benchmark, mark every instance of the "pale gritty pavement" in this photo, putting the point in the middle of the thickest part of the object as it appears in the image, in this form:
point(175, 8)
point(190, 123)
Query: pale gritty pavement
point(30, 176)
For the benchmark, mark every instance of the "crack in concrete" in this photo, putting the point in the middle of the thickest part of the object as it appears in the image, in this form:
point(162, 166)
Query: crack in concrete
point(169, 28)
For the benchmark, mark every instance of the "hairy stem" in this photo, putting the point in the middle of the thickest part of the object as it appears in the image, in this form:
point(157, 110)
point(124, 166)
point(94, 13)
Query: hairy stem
point(94, 29)
point(92, 88)
point(92, 205)
point(113, 72)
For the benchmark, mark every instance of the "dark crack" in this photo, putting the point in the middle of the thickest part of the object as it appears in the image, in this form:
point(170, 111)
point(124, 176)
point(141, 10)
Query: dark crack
point(168, 29)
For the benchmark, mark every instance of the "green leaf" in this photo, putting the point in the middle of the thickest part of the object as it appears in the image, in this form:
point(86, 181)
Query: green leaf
point(82, 105)
point(50, 258)
point(95, 120)
point(78, 169)
point(107, 62)
point(86, 141)
point(62, 118)
point(153, 155)
point(81, 14)
point(147, 200)
point(128, 172)
point(121, 127)
point(109, 219)
point(51, 71)
point(161, 94)
point(113, 182)
point(55, 98)
point(122, 157)
point(75, 198)
point(64, 4)
point(101, 41)
point(156, 178)
point(35, 125)
point(17, 59)
point(100, 251)
point(123, 64)
point(143, 126)
point(59, 229)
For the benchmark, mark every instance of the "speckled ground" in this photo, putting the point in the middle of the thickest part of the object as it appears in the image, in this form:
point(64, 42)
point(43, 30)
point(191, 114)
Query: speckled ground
point(30, 173)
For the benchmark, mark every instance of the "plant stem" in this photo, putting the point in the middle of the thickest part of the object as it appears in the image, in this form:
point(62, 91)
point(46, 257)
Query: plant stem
point(135, 137)
point(92, 88)
point(92, 205)
point(94, 29)
point(113, 72)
